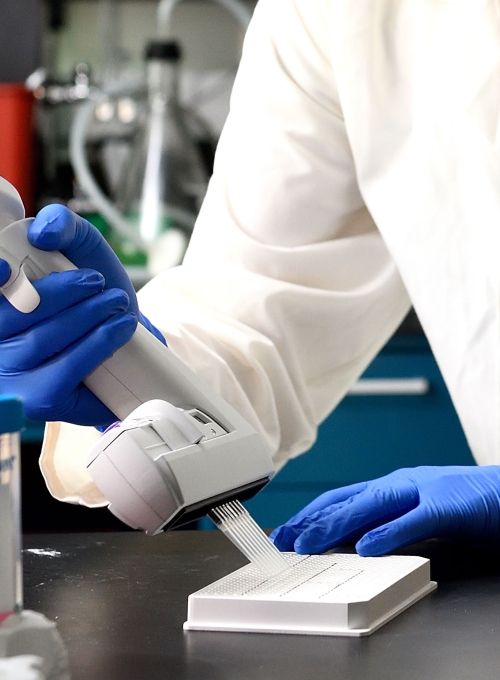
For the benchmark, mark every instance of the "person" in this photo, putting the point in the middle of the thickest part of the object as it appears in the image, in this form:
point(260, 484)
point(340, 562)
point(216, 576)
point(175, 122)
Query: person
point(357, 174)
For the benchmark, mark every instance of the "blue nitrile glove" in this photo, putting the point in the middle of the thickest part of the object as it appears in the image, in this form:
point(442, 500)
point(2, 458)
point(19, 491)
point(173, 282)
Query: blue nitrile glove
point(84, 316)
point(406, 506)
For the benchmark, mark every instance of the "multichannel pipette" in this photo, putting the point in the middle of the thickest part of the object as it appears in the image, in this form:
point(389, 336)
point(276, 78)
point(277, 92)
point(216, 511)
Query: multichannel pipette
point(180, 451)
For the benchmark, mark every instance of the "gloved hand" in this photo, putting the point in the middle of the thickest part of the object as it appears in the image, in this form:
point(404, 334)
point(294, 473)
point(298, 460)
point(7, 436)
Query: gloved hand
point(404, 507)
point(83, 317)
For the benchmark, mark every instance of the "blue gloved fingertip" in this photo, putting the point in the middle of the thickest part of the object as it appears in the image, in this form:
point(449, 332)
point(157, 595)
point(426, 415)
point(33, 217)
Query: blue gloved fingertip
point(152, 329)
point(302, 549)
point(274, 533)
point(283, 538)
point(46, 231)
point(372, 544)
point(367, 551)
point(92, 277)
point(5, 272)
point(106, 428)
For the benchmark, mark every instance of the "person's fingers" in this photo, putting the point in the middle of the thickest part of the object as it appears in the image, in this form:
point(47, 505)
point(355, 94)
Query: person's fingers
point(86, 409)
point(57, 292)
point(416, 525)
point(327, 499)
point(57, 228)
point(5, 272)
point(349, 520)
point(284, 537)
point(84, 356)
point(40, 342)
point(58, 379)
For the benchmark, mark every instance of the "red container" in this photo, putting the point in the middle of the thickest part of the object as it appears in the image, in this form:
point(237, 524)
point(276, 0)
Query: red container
point(17, 162)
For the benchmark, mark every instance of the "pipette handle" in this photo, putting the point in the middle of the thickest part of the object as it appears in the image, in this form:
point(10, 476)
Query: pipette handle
point(141, 370)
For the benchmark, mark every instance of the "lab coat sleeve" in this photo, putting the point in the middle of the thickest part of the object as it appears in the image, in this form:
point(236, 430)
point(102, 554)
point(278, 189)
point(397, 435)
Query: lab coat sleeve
point(423, 121)
point(287, 291)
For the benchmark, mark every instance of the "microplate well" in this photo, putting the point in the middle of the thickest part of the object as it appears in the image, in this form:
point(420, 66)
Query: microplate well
point(334, 594)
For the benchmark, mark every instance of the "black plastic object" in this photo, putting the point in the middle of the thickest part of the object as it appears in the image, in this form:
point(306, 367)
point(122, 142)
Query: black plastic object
point(165, 50)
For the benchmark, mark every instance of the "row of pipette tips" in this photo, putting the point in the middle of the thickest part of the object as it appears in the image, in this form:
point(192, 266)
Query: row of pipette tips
point(242, 530)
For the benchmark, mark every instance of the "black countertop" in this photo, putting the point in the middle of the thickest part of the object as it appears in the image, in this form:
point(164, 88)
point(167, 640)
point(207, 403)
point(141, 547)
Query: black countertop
point(120, 600)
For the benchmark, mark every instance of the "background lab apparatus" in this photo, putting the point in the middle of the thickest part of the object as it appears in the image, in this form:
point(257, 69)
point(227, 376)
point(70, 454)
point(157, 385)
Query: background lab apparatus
point(153, 191)
point(11, 421)
point(30, 646)
point(164, 180)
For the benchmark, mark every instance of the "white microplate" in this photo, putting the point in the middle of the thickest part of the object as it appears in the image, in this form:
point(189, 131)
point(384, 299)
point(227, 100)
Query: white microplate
point(336, 594)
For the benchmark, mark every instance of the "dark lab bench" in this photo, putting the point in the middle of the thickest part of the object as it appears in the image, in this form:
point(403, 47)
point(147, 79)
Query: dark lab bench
point(119, 600)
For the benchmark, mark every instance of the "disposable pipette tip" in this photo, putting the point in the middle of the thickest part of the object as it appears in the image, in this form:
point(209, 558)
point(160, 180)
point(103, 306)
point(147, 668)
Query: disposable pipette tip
point(242, 530)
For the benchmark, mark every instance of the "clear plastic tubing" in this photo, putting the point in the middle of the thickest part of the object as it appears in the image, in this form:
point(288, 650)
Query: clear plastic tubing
point(11, 588)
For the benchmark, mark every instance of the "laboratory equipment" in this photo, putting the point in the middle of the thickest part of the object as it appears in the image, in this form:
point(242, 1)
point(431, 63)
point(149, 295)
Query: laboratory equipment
point(59, 98)
point(164, 180)
point(180, 450)
point(333, 594)
point(21, 632)
point(30, 635)
point(11, 421)
point(138, 195)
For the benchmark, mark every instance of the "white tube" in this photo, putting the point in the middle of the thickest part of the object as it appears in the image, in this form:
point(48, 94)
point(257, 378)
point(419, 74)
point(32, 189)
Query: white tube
point(166, 8)
point(164, 15)
point(377, 387)
point(240, 12)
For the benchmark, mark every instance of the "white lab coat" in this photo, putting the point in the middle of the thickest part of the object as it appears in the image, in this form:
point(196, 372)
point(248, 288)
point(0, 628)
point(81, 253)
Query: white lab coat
point(358, 169)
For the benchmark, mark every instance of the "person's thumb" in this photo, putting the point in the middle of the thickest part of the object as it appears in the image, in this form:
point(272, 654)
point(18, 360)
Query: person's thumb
point(58, 228)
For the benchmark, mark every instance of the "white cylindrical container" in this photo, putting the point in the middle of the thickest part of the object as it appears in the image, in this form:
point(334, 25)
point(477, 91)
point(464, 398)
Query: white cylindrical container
point(11, 588)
